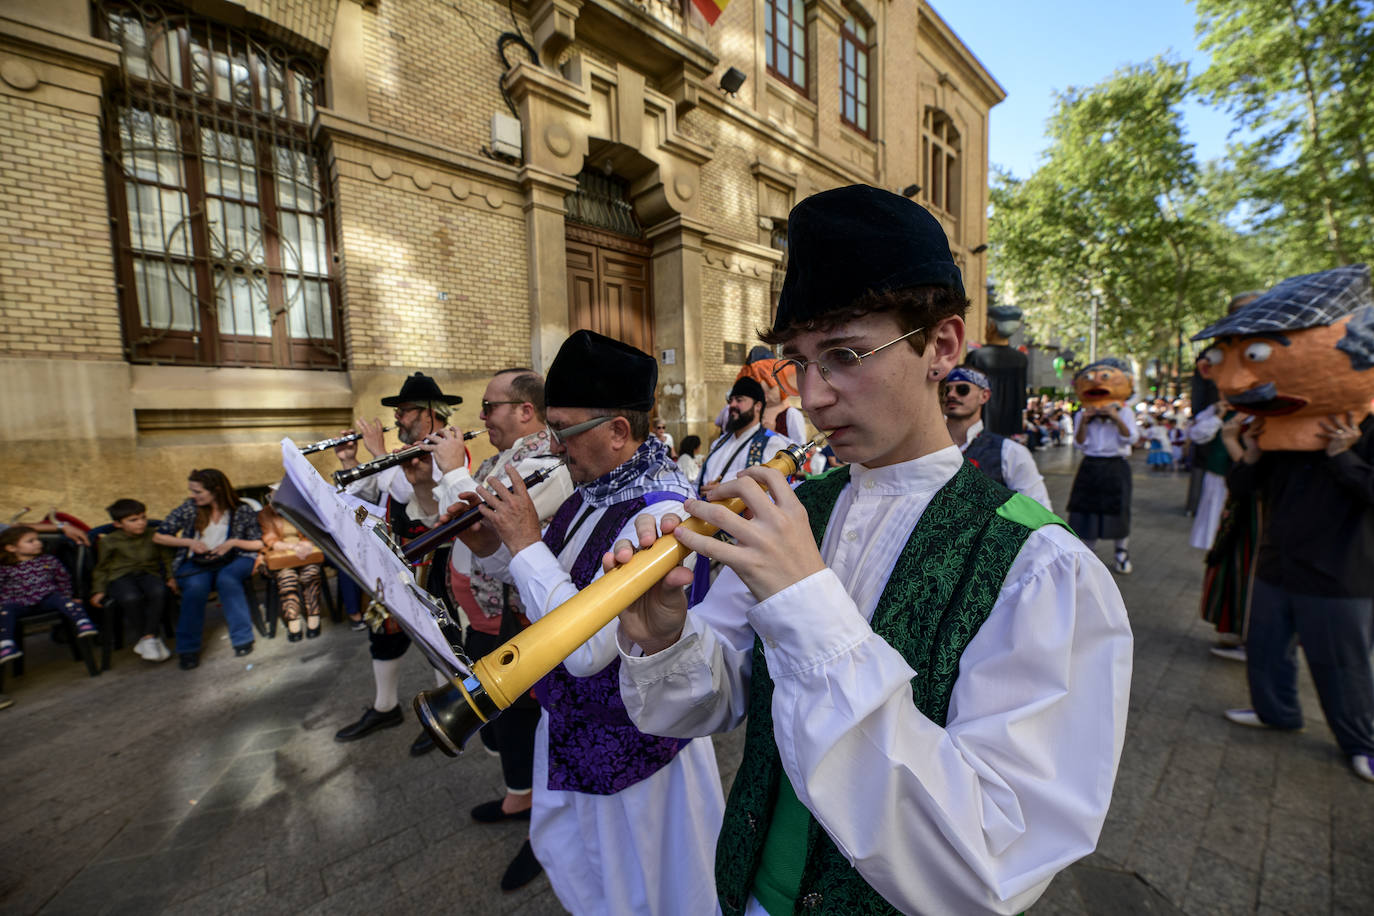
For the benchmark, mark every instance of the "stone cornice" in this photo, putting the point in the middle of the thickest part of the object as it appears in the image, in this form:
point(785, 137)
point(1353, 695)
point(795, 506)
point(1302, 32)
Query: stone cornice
point(789, 142)
point(658, 39)
point(525, 80)
point(970, 67)
point(338, 128)
point(80, 52)
point(749, 250)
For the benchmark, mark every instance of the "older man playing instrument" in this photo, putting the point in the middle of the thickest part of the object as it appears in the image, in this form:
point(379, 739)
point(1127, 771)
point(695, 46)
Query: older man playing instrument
point(623, 821)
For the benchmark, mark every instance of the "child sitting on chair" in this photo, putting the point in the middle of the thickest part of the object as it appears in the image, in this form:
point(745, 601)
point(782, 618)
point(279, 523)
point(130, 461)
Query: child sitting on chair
point(29, 578)
point(131, 572)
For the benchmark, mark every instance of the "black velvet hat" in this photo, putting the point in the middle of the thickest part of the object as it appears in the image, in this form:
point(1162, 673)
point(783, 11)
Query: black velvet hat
point(419, 388)
point(846, 243)
point(592, 370)
point(747, 387)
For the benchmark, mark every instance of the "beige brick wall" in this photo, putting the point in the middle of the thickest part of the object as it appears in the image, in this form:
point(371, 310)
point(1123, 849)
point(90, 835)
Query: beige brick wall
point(734, 307)
point(57, 294)
point(432, 68)
point(403, 248)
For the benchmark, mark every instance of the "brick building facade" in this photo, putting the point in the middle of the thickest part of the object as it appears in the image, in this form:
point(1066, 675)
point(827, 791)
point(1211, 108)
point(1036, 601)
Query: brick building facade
point(225, 221)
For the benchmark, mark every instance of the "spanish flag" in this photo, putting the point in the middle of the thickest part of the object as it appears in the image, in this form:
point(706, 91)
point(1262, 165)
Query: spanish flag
point(711, 9)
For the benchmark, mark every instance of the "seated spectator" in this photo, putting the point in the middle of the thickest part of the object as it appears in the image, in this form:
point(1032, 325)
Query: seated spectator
point(28, 578)
point(296, 566)
point(131, 571)
point(216, 535)
point(688, 462)
point(660, 428)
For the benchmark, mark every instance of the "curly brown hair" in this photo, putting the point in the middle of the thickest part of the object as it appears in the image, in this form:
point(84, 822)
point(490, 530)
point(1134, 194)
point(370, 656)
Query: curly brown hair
point(9, 537)
point(913, 307)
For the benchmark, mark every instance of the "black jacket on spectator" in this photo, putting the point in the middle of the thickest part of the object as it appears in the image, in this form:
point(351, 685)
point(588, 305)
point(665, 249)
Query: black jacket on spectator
point(1318, 536)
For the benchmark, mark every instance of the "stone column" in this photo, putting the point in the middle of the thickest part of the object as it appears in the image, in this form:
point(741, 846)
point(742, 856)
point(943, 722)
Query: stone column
point(682, 399)
point(548, 261)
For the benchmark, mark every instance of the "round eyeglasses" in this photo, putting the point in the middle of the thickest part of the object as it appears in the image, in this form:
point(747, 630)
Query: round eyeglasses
point(834, 361)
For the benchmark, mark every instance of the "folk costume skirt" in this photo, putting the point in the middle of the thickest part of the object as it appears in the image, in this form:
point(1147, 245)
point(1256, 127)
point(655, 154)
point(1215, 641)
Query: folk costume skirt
point(1100, 501)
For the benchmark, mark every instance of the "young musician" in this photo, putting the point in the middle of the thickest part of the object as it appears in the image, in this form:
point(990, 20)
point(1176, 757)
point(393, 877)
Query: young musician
point(934, 670)
point(623, 821)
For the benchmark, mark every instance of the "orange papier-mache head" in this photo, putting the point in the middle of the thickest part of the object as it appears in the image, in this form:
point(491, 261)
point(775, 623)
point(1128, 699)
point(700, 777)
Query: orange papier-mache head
point(1298, 354)
point(1107, 382)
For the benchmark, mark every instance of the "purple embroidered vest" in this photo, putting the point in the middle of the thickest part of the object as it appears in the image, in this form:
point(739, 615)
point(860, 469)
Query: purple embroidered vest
point(594, 748)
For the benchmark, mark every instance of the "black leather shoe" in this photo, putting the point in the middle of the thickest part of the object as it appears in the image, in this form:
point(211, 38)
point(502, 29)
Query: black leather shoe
point(369, 723)
point(188, 661)
point(312, 632)
point(296, 636)
point(522, 870)
point(245, 649)
point(491, 813)
point(421, 745)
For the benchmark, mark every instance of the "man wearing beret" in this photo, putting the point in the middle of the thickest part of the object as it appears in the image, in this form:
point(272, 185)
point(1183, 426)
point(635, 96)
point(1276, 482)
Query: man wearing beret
point(745, 442)
point(934, 670)
point(623, 821)
point(965, 393)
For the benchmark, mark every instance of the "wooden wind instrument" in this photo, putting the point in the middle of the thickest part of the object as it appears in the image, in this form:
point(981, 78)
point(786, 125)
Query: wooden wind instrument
point(454, 712)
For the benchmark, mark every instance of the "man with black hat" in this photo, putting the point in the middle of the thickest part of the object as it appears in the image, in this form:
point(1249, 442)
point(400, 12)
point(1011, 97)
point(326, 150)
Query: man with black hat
point(965, 393)
point(934, 670)
point(623, 821)
point(745, 442)
point(421, 409)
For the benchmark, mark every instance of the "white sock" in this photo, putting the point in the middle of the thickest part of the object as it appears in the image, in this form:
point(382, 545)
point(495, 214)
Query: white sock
point(1121, 544)
point(387, 674)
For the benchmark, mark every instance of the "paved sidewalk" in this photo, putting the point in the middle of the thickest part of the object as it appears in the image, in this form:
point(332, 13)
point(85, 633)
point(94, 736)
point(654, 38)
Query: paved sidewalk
point(220, 790)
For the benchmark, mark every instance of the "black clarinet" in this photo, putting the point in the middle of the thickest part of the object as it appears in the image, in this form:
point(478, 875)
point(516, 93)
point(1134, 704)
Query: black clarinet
point(345, 476)
point(463, 521)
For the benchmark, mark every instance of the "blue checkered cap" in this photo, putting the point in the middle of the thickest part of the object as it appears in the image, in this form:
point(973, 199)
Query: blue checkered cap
point(1308, 301)
point(965, 374)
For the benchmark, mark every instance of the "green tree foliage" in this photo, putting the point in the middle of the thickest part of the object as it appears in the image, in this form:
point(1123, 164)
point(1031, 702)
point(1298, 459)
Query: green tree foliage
point(1298, 76)
point(1119, 212)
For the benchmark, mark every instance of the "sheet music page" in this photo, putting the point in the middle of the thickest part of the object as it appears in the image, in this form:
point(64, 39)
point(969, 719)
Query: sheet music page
point(366, 556)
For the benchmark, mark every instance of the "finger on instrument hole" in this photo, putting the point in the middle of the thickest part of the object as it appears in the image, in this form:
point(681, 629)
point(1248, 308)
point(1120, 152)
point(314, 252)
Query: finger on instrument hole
point(706, 546)
point(646, 530)
point(517, 483)
point(770, 490)
point(1331, 428)
point(717, 515)
point(771, 479)
point(495, 485)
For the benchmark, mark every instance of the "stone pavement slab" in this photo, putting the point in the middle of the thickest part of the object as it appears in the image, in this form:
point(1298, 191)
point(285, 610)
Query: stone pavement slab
point(221, 790)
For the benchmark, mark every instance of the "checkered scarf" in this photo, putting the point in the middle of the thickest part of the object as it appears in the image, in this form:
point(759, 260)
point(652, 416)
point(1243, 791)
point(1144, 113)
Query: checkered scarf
point(648, 470)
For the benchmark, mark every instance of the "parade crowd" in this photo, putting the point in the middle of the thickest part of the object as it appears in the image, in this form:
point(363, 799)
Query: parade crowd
point(934, 667)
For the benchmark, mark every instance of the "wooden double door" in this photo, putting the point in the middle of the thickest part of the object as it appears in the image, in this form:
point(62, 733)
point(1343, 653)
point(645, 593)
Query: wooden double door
point(609, 286)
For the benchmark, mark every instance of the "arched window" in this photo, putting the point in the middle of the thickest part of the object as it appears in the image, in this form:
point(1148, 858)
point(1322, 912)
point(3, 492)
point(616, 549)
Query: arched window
point(854, 61)
point(220, 207)
point(940, 162)
point(784, 42)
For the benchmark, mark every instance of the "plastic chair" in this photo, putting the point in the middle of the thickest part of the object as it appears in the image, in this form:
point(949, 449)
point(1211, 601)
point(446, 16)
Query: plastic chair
point(77, 560)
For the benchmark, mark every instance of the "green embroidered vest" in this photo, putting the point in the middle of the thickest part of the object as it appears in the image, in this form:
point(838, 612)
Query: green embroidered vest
point(941, 590)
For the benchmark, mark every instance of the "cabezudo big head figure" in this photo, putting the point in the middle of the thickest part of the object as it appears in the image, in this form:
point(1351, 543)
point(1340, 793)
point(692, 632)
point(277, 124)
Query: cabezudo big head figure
point(1107, 382)
point(1298, 354)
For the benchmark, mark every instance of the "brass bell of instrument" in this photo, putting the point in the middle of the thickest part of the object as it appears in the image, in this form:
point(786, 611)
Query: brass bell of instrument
point(453, 713)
